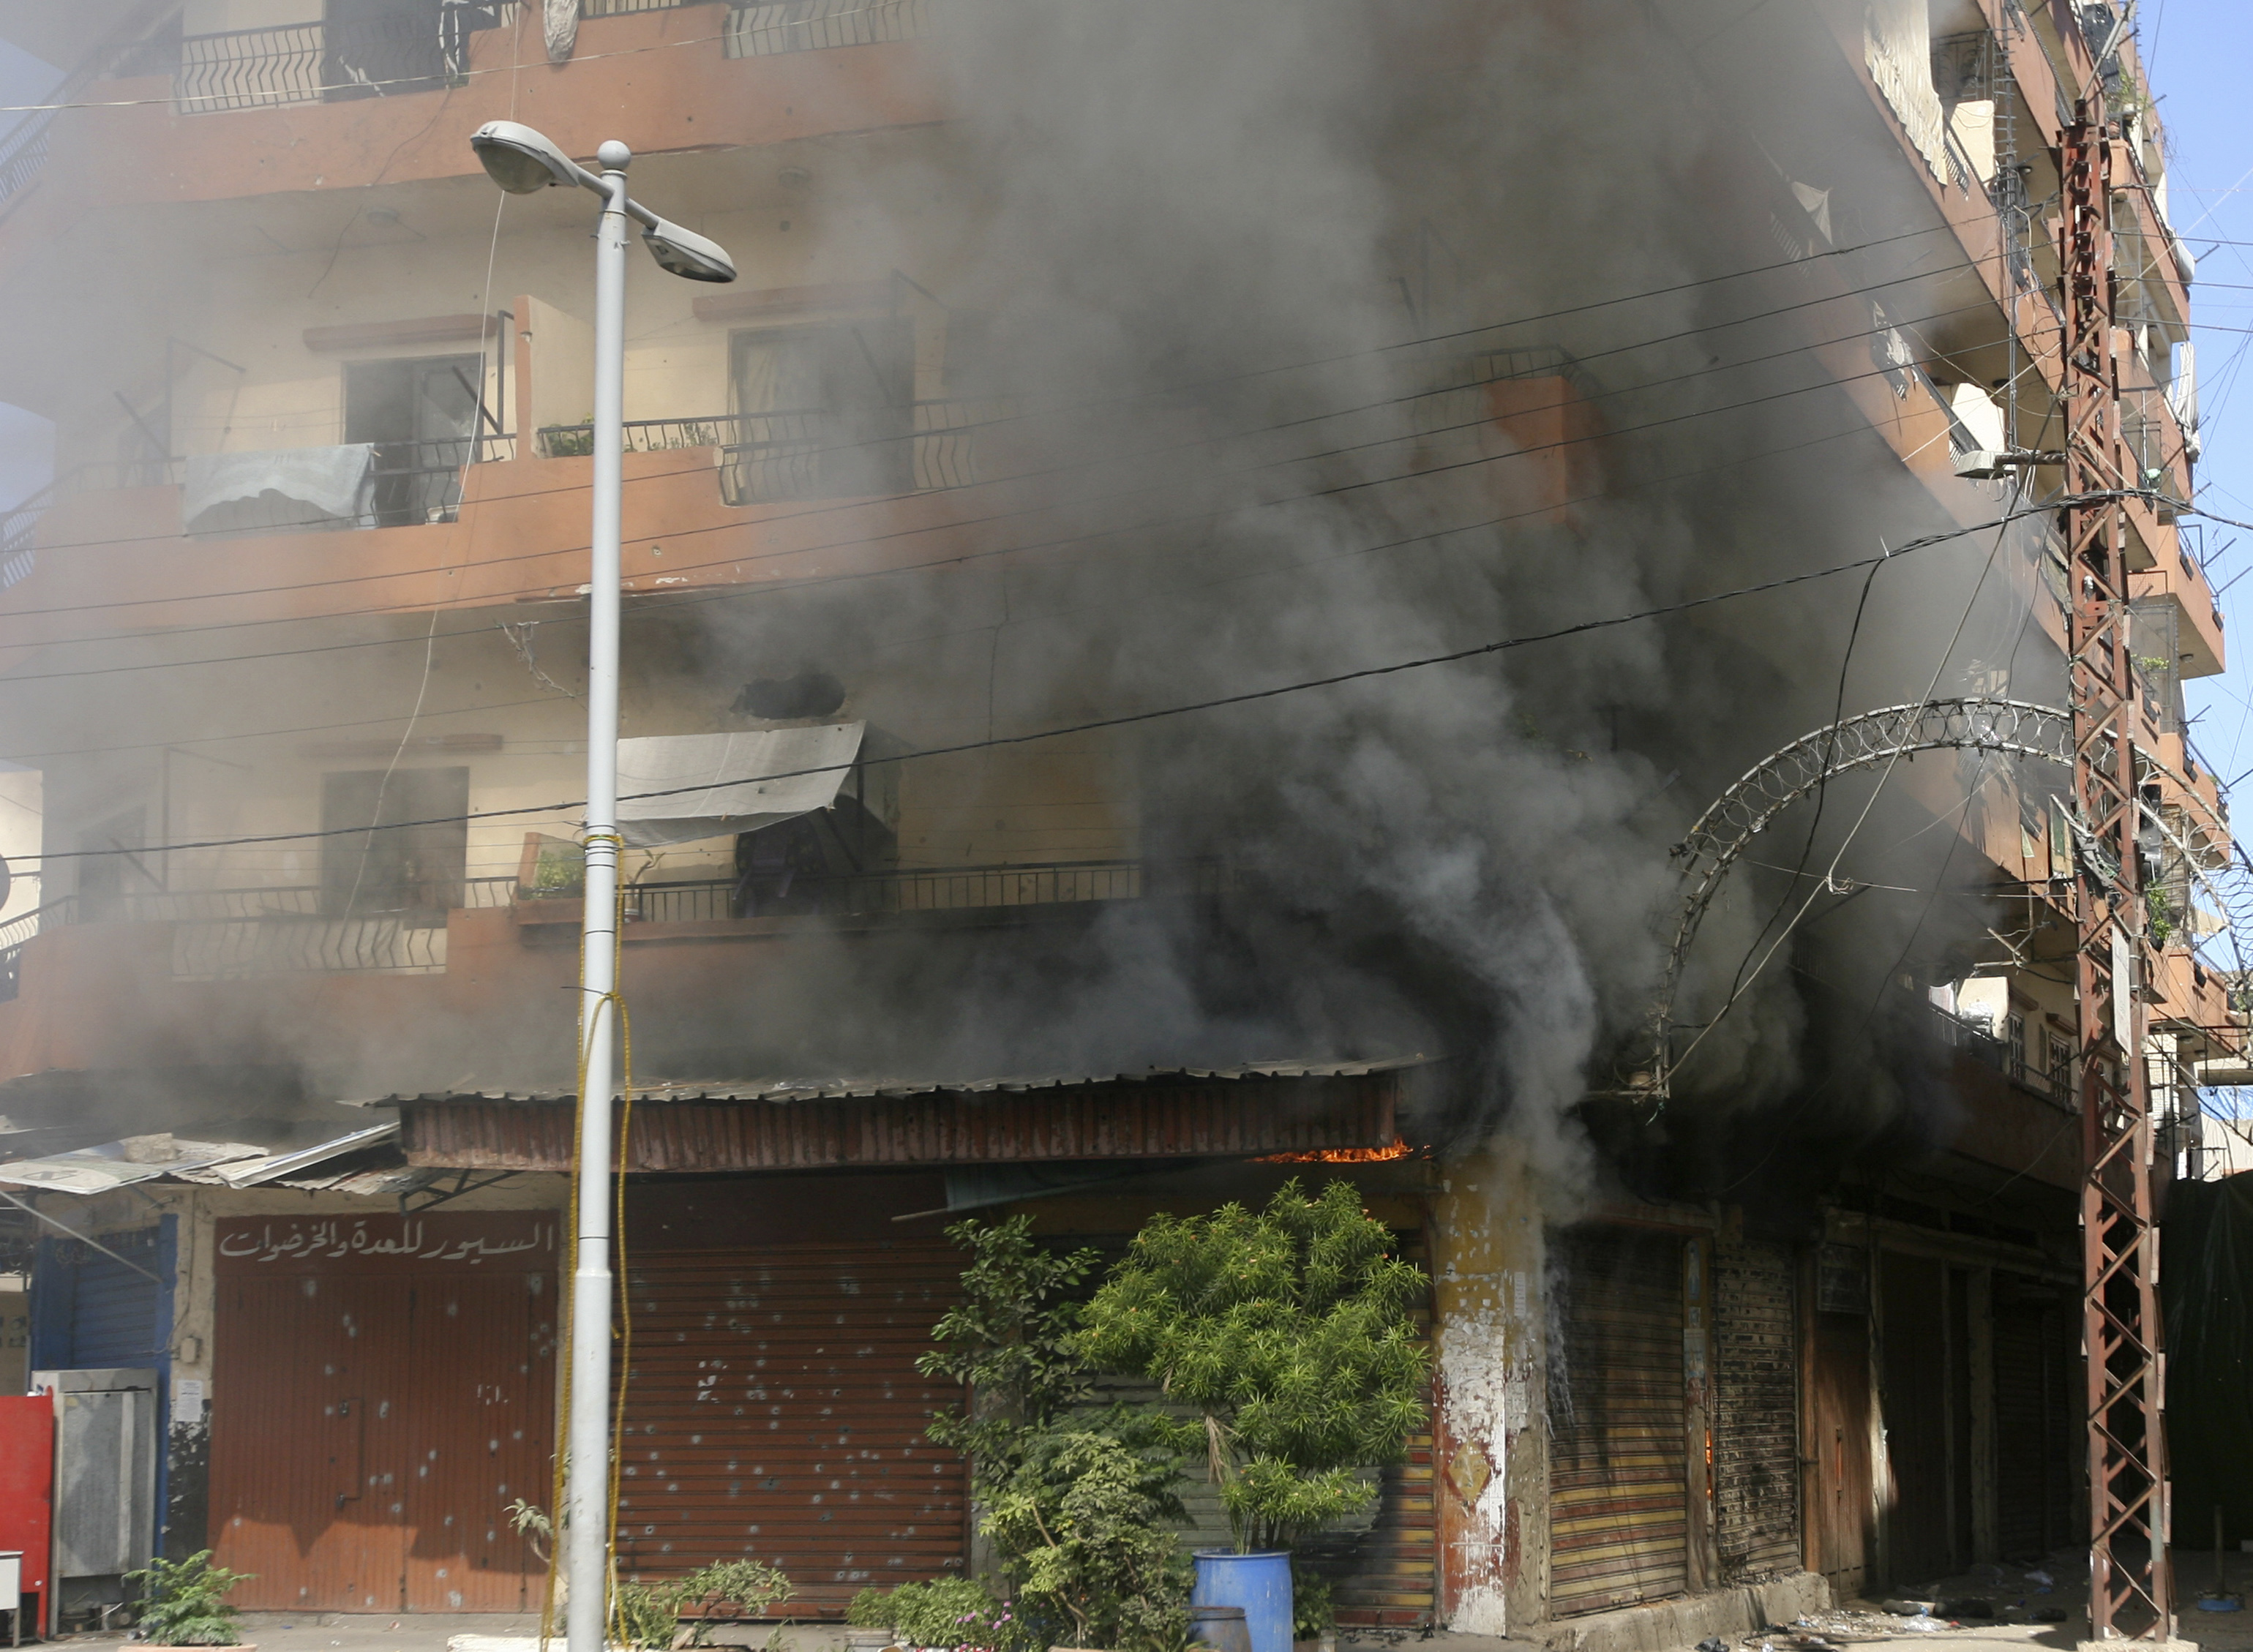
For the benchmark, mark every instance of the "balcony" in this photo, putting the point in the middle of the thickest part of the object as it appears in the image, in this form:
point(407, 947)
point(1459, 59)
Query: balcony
point(308, 105)
point(239, 934)
point(712, 500)
point(263, 978)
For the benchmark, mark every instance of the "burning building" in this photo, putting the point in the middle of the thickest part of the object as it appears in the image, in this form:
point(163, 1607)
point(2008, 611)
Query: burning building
point(1233, 592)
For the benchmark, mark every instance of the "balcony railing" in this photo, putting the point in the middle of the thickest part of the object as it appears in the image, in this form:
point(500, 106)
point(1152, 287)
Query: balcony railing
point(239, 934)
point(234, 934)
point(808, 453)
point(916, 890)
point(417, 48)
point(812, 25)
point(412, 482)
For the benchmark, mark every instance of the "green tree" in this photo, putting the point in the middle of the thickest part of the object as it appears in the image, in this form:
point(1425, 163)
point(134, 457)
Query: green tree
point(1008, 1342)
point(1086, 1521)
point(1289, 1332)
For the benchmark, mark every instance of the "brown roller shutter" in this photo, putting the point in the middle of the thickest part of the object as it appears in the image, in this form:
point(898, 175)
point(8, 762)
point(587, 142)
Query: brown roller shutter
point(774, 1410)
point(1618, 1508)
point(383, 1388)
point(1756, 1399)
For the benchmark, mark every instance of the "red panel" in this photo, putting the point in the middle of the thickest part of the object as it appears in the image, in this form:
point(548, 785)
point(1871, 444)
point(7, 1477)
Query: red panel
point(27, 1479)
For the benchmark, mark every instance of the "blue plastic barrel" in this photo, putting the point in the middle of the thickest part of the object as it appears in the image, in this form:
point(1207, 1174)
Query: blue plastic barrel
point(1259, 1583)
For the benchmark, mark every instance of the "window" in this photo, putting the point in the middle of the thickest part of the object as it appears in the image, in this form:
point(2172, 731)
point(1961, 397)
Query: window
point(381, 865)
point(2015, 1035)
point(824, 412)
point(2060, 1070)
point(421, 415)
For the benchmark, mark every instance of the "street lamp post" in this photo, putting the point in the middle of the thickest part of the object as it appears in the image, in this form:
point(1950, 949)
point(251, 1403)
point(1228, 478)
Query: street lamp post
point(524, 163)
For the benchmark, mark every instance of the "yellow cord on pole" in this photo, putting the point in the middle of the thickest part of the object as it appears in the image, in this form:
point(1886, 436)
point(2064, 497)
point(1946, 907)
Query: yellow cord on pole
point(615, 999)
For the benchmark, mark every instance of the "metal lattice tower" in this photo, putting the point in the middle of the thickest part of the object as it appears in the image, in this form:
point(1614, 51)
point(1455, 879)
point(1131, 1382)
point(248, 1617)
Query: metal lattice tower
point(2129, 1590)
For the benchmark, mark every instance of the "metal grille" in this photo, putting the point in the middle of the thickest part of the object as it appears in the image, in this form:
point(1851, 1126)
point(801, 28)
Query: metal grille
point(811, 26)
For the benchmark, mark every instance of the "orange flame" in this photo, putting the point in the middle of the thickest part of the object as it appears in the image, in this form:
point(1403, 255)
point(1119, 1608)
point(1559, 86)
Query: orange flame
point(1399, 1150)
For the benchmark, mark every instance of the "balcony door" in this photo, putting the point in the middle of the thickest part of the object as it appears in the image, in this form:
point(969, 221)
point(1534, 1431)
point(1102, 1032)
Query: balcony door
point(382, 48)
point(379, 864)
point(421, 416)
point(824, 412)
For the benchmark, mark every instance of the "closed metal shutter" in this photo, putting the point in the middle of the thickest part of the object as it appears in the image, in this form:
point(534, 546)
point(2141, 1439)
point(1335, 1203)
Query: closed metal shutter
point(2033, 1431)
point(773, 1410)
point(382, 1389)
point(1756, 1400)
point(1618, 1504)
point(97, 1313)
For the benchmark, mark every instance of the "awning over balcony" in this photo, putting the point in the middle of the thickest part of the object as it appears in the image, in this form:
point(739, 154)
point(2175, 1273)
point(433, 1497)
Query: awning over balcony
point(714, 786)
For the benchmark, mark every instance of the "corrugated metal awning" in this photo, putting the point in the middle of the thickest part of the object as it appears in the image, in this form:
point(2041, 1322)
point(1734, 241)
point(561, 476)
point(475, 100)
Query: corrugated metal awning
point(1289, 1106)
point(713, 784)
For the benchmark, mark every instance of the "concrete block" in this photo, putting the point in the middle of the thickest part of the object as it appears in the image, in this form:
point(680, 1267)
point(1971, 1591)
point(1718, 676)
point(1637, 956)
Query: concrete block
point(1670, 1625)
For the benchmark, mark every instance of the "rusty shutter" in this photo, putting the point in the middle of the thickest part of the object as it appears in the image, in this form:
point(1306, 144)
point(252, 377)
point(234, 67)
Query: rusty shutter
point(1757, 1403)
point(382, 1387)
point(1618, 1505)
point(773, 1410)
point(2033, 1427)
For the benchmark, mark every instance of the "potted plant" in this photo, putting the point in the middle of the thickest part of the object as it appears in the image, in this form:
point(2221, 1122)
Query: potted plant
point(183, 1603)
point(1289, 1332)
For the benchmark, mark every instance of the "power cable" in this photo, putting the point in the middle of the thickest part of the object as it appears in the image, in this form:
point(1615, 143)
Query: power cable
point(955, 558)
point(1106, 460)
point(1127, 719)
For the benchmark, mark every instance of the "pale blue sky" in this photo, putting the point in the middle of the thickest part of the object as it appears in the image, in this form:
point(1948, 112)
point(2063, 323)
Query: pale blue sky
point(2201, 56)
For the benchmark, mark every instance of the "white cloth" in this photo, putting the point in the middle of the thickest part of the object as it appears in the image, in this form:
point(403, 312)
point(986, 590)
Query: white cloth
point(1897, 47)
point(734, 782)
point(558, 22)
point(333, 481)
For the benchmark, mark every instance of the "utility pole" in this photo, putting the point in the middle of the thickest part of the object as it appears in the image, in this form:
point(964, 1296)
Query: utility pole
point(2130, 1591)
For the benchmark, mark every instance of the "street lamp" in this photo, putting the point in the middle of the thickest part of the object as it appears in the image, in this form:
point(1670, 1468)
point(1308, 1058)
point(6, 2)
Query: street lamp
point(523, 162)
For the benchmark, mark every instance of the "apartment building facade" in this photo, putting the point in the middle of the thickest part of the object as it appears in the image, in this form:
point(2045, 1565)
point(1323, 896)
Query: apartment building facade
point(322, 406)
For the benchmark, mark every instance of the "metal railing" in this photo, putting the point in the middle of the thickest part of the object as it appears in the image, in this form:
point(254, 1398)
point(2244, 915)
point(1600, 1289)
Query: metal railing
point(1971, 1038)
point(644, 435)
point(805, 453)
point(413, 483)
point(419, 49)
point(812, 25)
point(226, 948)
point(918, 889)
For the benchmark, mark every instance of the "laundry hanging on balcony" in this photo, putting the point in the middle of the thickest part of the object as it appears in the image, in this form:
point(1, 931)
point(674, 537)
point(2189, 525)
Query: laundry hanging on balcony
point(290, 487)
point(716, 785)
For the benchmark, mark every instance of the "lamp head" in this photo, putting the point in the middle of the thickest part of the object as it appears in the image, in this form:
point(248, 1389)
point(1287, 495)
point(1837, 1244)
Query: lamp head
point(522, 161)
point(686, 254)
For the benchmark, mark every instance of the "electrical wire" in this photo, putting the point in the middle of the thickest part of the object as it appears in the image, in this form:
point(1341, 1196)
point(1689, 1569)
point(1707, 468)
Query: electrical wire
point(1128, 719)
point(959, 557)
point(1107, 460)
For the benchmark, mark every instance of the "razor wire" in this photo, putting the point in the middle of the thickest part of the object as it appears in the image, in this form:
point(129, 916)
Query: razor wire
point(2196, 852)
